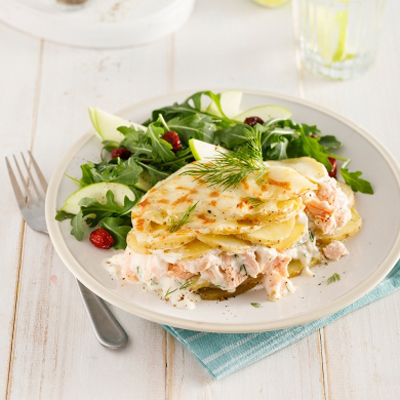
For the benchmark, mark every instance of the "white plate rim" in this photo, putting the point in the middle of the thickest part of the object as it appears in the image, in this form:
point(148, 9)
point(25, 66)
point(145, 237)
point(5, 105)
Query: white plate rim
point(341, 302)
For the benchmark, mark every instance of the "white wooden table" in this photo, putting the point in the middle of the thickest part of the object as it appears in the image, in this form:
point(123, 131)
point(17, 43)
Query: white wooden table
point(47, 349)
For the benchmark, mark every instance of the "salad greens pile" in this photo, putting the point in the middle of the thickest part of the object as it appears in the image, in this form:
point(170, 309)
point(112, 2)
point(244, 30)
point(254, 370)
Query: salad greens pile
point(153, 159)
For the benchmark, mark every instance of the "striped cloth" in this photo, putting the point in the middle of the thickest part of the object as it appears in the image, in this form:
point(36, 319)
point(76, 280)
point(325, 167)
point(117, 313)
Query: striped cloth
point(224, 353)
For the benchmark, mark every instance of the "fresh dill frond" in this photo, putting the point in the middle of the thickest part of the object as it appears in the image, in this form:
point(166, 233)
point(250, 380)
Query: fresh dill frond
point(187, 284)
point(229, 169)
point(254, 201)
point(253, 142)
point(243, 267)
point(334, 278)
point(183, 286)
point(176, 223)
point(169, 291)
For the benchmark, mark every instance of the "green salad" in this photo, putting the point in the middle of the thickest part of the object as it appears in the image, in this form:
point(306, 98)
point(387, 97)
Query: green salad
point(135, 156)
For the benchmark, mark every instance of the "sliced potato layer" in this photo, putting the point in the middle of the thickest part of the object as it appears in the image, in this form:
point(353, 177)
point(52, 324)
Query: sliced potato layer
point(192, 250)
point(208, 291)
point(228, 243)
point(295, 266)
point(349, 230)
point(166, 242)
point(296, 234)
point(134, 246)
point(306, 166)
point(271, 232)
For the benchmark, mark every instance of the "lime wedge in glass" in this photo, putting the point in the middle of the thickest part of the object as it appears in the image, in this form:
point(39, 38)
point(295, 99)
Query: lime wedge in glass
point(271, 3)
point(332, 25)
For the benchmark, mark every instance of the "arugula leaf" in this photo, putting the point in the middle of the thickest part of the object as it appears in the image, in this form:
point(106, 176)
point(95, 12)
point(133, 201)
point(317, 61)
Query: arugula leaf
point(100, 211)
point(135, 142)
point(309, 130)
point(119, 229)
point(275, 147)
point(232, 136)
point(192, 105)
point(161, 149)
point(329, 142)
point(194, 126)
point(87, 177)
point(312, 148)
point(118, 171)
point(62, 215)
point(115, 170)
point(131, 133)
point(155, 174)
point(355, 182)
point(77, 226)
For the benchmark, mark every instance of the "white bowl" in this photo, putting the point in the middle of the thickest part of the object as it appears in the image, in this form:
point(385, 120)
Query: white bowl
point(373, 251)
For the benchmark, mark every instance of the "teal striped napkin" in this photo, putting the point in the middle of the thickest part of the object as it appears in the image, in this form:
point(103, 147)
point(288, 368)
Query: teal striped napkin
point(224, 353)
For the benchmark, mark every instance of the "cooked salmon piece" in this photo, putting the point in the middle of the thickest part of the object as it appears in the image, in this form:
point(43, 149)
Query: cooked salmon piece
point(335, 250)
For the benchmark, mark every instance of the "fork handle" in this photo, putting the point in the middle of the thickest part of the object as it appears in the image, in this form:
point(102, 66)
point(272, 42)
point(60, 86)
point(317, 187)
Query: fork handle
point(106, 328)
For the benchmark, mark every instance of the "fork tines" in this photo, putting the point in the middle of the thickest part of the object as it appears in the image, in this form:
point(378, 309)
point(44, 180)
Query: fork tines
point(24, 196)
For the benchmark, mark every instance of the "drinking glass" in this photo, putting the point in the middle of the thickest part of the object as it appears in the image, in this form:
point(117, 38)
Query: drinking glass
point(339, 38)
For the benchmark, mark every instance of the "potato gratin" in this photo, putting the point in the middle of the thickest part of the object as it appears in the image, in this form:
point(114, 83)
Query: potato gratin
point(193, 240)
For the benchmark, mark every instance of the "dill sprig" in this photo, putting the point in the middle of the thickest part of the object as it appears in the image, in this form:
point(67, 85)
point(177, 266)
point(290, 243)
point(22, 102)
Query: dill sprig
point(187, 284)
point(230, 169)
point(183, 286)
point(334, 278)
point(254, 201)
point(175, 224)
point(169, 291)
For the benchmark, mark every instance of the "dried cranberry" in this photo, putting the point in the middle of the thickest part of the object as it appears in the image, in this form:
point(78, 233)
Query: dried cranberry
point(101, 239)
point(121, 152)
point(173, 139)
point(253, 120)
point(333, 171)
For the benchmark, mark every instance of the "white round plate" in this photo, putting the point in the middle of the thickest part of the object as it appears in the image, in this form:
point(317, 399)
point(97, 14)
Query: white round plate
point(99, 23)
point(373, 251)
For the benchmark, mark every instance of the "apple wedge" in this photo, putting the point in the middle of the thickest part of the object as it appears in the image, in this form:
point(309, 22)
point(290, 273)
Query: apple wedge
point(106, 124)
point(203, 151)
point(230, 104)
point(265, 113)
point(97, 191)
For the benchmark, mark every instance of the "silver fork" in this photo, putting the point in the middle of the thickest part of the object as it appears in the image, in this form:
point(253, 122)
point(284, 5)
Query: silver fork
point(106, 328)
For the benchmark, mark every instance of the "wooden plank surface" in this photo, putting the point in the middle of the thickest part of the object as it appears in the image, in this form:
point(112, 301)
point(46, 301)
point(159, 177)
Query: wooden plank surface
point(18, 81)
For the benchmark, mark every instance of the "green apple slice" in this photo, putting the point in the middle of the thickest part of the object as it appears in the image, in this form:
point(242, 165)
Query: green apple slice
point(98, 191)
point(265, 113)
point(144, 182)
point(230, 103)
point(106, 124)
point(93, 118)
point(202, 150)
